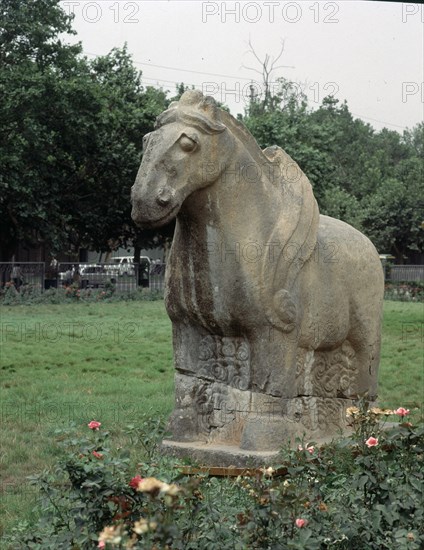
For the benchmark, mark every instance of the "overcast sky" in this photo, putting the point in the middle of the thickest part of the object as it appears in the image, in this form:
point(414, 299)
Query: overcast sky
point(369, 53)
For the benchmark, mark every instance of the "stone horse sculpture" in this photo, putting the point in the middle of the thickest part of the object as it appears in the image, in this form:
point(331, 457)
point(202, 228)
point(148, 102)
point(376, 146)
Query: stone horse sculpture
point(276, 309)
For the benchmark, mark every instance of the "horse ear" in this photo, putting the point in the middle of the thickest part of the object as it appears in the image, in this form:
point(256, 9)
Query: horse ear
point(191, 97)
point(194, 105)
point(195, 98)
point(209, 100)
point(210, 108)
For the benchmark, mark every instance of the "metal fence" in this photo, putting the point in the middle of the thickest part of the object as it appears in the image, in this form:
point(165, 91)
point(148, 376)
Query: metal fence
point(42, 277)
point(126, 277)
point(21, 274)
point(157, 276)
point(411, 273)
point(94, 276)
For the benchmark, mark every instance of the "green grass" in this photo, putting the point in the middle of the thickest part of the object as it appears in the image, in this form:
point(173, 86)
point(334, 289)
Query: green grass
point(113, 362)
point(401, 376)
point(74, 363)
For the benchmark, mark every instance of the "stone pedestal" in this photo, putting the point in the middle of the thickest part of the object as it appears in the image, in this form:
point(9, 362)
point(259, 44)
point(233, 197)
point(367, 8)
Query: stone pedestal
point(216, 424)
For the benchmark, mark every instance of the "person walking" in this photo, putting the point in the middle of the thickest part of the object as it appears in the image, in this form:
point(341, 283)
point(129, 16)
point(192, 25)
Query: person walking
point(16, 276)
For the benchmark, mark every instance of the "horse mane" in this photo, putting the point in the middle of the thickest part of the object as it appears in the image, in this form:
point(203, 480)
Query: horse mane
point(240, 131)
point(193, 109)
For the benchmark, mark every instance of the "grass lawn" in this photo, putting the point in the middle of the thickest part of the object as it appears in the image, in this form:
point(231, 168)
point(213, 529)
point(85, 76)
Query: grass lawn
point(113, 362)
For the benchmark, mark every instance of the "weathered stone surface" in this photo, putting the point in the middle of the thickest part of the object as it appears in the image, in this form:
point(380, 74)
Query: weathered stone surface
point(223, 455)
point(276, 310)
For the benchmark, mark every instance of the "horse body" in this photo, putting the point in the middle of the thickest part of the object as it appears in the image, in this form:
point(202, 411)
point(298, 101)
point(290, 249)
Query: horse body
point(273, 306)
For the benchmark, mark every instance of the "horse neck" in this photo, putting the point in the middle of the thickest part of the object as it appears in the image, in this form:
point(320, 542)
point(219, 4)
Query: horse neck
point(241, 201)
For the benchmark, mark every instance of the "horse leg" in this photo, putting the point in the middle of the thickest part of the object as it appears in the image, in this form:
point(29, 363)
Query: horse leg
point(365, 340)
point(193, 400)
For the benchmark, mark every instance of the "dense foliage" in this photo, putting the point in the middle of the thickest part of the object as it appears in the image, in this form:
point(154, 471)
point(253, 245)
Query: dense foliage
point(31, 295)
point(361, 492)
point(369, 179)
point(72, 135)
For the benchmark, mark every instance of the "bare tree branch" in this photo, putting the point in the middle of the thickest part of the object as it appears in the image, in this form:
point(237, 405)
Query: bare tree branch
point(265, 62)
point(251, 69)
point(268, 66)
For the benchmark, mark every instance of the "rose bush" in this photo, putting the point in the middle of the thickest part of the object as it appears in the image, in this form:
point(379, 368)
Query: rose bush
point(364, 491)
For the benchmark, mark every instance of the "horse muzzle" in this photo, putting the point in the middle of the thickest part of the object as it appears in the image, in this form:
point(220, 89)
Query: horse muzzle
point(156, 209)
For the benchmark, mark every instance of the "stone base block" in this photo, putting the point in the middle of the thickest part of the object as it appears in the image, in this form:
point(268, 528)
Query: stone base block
point(227, 455)
point(218, 455)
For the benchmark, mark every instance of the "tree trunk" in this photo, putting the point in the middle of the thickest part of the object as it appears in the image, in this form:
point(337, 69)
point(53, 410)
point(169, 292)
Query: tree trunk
point(398, 255)
point(137, 252)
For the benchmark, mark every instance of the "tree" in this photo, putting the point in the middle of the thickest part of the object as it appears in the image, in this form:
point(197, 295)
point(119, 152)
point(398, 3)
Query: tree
point(414, 140)
point(368, 179)
point(268, 66)
point(394, 214)
point(101, 209)
point(32, 58)
point(339, 203)
point(289, 124)
point(72, 138)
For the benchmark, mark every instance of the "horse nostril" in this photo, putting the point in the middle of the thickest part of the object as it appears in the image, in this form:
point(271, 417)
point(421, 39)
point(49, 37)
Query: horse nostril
point(164, 197)
point(162, 202)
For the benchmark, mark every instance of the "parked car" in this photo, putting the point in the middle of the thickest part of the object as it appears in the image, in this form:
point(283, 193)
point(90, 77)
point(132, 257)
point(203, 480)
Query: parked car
point(124, 265)
point(95, 276)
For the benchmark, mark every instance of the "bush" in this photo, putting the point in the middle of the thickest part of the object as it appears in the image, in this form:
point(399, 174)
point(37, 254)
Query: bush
point(364, 491)
point(404, 291)
point(31, 295)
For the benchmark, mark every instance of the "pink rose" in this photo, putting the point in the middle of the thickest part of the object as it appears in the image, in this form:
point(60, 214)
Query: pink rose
point(101, 544)
point(310, 449)
point(97, 455)
point(401, 411)
point(371, 442)
point(301, 522)
point(94, 425)
point(135, 481)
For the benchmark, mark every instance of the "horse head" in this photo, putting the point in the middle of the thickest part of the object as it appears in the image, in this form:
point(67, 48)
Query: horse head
point(188, 151)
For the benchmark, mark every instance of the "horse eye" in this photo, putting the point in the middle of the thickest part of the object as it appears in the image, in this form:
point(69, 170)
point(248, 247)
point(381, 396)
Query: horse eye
point(187, 144)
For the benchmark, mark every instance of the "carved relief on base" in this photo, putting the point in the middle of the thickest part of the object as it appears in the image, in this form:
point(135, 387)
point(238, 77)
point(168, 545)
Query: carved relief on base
point(215, 413)
point(327, 373)
point(225, 359)
point(215, 404)
point(317, 414)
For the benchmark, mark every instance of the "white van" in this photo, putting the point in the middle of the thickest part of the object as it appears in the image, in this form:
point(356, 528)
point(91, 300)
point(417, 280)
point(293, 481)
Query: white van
point(125, 264)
